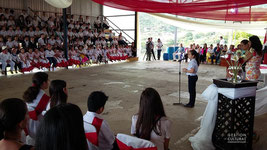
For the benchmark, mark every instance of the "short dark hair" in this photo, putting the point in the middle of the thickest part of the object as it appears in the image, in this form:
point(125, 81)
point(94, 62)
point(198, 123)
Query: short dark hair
point(96, 100)
point(245, 41)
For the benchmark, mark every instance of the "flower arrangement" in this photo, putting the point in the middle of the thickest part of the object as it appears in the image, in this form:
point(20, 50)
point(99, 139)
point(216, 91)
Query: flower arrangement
point(235, 67)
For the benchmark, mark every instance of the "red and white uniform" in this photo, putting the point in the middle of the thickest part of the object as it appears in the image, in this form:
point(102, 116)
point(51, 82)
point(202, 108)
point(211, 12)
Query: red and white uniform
point(44, 61)
point(36, 59)
point(91, 136)
point(35, 112)
point(25, 63)
point(30, 57)
point(74, 59)
point(106, 137)
point(127, 142)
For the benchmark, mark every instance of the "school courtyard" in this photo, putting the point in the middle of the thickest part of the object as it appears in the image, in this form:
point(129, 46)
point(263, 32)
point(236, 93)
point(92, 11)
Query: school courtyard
point(124, 82)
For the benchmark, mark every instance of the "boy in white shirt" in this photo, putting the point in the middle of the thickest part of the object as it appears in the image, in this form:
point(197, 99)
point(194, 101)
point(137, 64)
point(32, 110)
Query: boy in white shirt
point(9, 42)
point(5, 59)
point(96, 102)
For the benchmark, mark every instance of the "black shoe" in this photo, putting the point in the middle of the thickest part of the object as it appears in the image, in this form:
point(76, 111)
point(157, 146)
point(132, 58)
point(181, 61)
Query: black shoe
point(189, 106)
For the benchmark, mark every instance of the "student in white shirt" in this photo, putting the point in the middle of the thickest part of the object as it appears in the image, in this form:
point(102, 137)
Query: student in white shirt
point(44, 17)
point(10, 21)
point(15, 59)
point(9, 42)
point(191, 72)
point(41, 41)
point(49, 54)
point(37, 32)
point(34, 96)
point(87, 19)
point(24, 32)
point(71, 25)
point(3, 31)
point(159, 48)
point(6, 58)
point(17, 31)
point(16, 42)
point(25, 63)
point(31, 33)
point(96, 102)
point(10, 32)
point(52, 40)
point(151, 123)
point(222, 41)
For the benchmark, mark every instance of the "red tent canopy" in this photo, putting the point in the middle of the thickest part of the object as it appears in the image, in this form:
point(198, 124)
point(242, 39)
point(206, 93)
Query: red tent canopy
point(229, 10)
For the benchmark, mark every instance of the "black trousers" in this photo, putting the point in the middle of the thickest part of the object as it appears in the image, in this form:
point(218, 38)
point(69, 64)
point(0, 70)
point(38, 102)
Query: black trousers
point(159, 53)
point(17, 65)
point(192, 80)
point(52, 60)
point(152, 51)
point(148, 55)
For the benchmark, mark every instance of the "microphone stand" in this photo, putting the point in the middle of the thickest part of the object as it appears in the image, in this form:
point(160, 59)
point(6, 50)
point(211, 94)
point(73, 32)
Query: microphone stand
point(179, 103)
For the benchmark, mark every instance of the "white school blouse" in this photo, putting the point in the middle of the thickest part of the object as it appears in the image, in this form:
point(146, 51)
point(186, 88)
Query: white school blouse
point(165, 127)
point(192, 64)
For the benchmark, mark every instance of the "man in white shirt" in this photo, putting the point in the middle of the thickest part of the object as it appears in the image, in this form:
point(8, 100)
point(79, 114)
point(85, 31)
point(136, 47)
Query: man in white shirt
point(41, 40)
point(6, 59)
point(222, 41)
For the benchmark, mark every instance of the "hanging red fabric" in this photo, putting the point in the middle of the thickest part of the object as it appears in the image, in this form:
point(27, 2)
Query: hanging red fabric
point(229, 10)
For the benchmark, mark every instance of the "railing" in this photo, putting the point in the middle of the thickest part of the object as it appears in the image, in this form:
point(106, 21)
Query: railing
point(118, 29)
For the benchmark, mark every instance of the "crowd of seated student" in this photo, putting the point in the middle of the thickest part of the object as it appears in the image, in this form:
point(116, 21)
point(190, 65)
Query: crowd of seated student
point(51, 123)
point(36, 42)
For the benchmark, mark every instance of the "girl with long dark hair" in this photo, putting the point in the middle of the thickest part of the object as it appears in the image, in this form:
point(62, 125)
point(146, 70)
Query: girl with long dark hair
point(36, 101)
point(151, 123)
point(62, 129)
point(253, 58)
point(13, 119)
point(191, 72)
point(58, 93)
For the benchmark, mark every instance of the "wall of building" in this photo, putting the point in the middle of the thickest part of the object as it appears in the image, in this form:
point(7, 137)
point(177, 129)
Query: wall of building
point(78, 7)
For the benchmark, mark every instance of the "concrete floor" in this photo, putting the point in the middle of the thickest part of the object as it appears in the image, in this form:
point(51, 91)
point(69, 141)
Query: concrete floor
point(124, 82)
